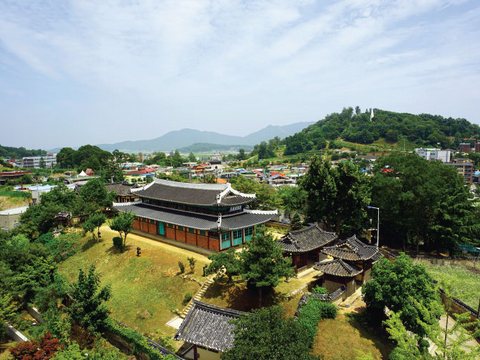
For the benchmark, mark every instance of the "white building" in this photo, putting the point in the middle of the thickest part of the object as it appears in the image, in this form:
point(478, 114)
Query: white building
point(434, 154)
point(50, 160)
point(10, 218)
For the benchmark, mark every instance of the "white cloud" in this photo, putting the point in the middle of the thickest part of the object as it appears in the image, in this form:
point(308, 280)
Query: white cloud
point(227, 56)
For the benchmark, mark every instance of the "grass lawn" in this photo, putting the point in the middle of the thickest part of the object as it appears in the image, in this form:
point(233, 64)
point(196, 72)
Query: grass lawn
point(348, 338)
point(462, 282)
point(145, 290)
point(9, 202)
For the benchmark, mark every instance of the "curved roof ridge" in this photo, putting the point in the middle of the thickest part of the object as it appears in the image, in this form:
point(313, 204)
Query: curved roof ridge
point(239, 193)
point(217, 309)
point(201, 186)
point(132, 190)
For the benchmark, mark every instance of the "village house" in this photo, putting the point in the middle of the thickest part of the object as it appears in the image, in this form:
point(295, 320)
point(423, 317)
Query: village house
point(215, 217)
point(122, 192)
point(343, 263)
point(207, 331)
point(305, 245)
point(349, 264)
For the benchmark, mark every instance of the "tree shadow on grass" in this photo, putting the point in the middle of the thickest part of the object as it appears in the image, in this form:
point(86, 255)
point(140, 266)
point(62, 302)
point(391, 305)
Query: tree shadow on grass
point(91, 242)
point(238, 296)
point(112, 250)
point(377, 334)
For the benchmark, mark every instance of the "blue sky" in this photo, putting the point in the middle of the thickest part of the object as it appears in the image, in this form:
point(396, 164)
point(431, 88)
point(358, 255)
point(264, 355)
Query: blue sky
point(77, 72)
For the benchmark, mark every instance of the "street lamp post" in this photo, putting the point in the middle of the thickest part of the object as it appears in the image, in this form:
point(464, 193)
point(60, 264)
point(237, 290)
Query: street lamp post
point(378, 222)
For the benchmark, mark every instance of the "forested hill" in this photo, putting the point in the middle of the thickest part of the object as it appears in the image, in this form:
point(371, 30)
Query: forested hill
point(355, 126)
point(18, 153)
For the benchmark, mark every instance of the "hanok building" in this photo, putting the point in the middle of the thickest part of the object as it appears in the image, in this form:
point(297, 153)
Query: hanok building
point(207, 331)
point(122, 192)
point(351, 264)
point(305, 245)
point(210, 216)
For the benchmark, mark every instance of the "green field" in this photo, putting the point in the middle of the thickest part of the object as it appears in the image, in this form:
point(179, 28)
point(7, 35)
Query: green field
point(11, 199)
point(463, 282)
point(146, 290)
point(348, 338)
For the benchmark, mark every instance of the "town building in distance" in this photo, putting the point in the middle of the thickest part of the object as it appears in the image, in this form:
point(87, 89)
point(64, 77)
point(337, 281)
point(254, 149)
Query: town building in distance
point(36, 162)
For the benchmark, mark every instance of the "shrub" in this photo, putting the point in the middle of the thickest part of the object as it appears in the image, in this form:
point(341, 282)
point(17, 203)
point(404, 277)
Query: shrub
point(319, 290)
point(312, 312)
point(181, 267)
point(47, 347)
point(186, 299)
point(137, 340)
point(117, 243)
point(191, 263)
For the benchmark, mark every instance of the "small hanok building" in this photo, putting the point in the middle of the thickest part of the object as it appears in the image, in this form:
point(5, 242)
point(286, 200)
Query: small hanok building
point(207, 331)
point(349, 265)
point(122, 193)
point(339, 274)
point(305, 245)
point(215, 217)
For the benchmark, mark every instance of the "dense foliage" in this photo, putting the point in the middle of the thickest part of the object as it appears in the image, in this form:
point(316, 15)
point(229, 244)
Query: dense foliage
point(266, 334)
point(266, 196)
point(104, 163)
point(406, 288)
point(423, 202)
point(312, 312)
point(41, 218)
point(123, 223)
point(261, 264)
point(336, 196)
point(88, 307)
point(18, 153)
point(356, 126)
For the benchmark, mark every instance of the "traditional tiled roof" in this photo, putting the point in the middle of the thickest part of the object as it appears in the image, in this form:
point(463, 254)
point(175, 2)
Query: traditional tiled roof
point(307, 239)
point(208, 326)
point(351, 249)
point(194, 194)
point(197, 221)
point(337, 267)
point(119, 189)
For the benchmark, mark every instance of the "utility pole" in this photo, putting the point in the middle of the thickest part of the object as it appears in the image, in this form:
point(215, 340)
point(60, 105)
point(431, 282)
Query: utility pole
point(378, 222)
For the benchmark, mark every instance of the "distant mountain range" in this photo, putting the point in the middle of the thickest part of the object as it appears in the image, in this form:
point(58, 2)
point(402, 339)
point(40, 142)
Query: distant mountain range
point(187, 140)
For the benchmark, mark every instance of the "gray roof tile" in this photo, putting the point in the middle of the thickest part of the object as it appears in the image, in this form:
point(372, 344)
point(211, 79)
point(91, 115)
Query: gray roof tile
point(351, 249)
point(191, 194)
point(307, 239)
point(208, 326)
point(337, 267)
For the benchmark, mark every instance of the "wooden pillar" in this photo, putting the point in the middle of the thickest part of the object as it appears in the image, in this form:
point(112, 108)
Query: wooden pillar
point(195, 353)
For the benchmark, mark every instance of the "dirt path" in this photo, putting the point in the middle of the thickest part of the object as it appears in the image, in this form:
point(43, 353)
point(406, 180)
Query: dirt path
point(142, 241)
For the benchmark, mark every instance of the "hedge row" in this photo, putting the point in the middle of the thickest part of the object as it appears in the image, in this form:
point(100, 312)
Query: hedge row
point(138, 342)
point(312, 312)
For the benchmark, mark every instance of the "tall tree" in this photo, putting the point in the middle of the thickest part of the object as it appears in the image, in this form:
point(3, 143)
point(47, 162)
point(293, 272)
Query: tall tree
point(95, 196)
point(423, 202)
point(88, 308)
point(123, 223)
point(227, 261)
point(337, 197)
point(263, 263)
point(406, 288)
point(93, 223)
point(266, 334)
